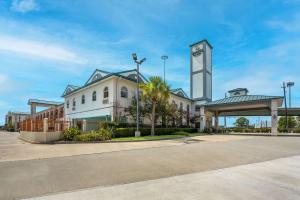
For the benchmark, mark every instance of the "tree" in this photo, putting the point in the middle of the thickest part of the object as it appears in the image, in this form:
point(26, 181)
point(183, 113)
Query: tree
point(242, 122)
point(292, 122)
point(143, 109)
point(154, 91)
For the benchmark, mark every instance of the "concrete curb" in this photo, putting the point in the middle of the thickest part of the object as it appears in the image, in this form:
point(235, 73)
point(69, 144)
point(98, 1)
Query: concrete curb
point(263, 134)
point(110, 141)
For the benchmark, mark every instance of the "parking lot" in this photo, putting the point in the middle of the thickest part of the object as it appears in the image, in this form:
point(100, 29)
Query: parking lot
point(85, 166)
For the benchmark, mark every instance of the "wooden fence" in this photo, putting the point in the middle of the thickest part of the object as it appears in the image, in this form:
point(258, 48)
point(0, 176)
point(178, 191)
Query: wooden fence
point(44, 125)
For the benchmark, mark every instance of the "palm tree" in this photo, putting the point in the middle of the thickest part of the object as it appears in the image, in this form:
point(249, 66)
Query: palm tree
point(154, 91)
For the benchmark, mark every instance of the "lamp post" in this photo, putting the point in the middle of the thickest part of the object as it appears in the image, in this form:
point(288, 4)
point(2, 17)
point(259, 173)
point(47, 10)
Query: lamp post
point(138, 63)
point(290, 85)
point(164, 57)
point(285, 107)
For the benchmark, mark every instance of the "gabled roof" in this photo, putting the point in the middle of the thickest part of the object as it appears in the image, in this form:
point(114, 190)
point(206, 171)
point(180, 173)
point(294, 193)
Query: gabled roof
point(179, 92)
point(97, 71)
point(69, 89)
point(242, 99)
point(124, 74)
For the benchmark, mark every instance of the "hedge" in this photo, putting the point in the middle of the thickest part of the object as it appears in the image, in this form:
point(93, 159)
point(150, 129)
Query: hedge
point(130, 132)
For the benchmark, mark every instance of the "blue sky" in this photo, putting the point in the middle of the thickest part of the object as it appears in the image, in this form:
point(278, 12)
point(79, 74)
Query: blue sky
point(47, 44)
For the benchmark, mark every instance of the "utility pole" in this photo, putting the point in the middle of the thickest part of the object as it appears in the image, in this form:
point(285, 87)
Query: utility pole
point(285, 106)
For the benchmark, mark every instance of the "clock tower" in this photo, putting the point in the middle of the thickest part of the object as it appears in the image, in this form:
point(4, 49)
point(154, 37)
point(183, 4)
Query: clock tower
point(201, 72)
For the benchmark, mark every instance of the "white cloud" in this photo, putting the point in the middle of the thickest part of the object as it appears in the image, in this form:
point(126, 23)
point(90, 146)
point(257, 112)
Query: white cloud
point(39, 49)
point(24, 6)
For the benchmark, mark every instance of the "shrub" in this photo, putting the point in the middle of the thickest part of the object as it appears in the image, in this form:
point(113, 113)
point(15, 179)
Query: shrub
point(129, 132)
point(70, 133)
point(297, 130)
point(101, 135)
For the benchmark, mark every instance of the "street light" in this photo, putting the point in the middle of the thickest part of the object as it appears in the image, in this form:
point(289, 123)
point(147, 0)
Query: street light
point(285, 107)
point(164, 57)
point(290, 85)
point(138, 63)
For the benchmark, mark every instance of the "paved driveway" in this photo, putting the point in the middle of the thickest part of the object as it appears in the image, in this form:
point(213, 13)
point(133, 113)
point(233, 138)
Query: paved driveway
point(28, 178)
point(12, 148)
point(275, 179)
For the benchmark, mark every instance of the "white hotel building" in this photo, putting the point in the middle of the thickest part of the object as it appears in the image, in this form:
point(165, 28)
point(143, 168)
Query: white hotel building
point(105, 95)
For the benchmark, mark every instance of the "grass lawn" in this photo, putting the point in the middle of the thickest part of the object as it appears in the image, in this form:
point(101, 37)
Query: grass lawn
point(156, 137)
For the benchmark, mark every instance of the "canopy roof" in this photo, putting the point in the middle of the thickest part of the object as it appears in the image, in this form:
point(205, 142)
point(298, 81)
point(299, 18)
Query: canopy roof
point(242, 99)
point(44, 102)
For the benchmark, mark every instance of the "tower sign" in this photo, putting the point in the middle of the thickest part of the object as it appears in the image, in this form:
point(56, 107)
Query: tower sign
point(201, 72)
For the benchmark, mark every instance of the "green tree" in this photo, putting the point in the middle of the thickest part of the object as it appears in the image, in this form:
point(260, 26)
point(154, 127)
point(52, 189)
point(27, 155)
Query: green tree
point(292, 122)
point(143, 109)
point(242, 122)
point(154, 91)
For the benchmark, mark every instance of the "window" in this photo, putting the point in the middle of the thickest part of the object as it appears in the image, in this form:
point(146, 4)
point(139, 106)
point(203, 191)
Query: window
point(96, 77)
point(105, 92)
point(83, 99)
point(124, 92)
point(74, 102)
point(94, 97)
point(68, 104)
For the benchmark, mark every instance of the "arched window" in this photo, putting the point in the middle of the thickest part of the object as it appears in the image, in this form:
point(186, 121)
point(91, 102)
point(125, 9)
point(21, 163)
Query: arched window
point(105, 92)
point(83, 99)
point(68, 103)
point(94, 96)
point(124, 92)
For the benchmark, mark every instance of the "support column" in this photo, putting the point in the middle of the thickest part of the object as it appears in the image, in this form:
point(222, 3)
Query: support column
point(83, 125)
point(31, 126)
point(33, 109)
point(216, 121)
point(45, 125)
point(202, 119)
point(274, 117)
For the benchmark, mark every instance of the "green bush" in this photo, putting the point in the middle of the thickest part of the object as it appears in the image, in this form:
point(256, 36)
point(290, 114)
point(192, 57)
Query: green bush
point(130, 132)
point(70, 133)
point(101, 135)
point(297, 130)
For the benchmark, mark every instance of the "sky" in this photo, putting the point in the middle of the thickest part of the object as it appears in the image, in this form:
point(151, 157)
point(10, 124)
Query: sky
point(47, 44)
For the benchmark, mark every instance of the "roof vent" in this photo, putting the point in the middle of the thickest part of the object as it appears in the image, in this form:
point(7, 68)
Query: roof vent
point(238, 92)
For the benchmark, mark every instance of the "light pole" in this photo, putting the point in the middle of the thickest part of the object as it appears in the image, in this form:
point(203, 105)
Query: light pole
point(164, 57)
point(285, 107)
point(138, 63)
point(290, 85)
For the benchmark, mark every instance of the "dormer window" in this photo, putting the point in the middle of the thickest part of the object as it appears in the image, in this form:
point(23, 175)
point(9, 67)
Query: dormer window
point(132, 76)
point(68, 103)
point(96, 77)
